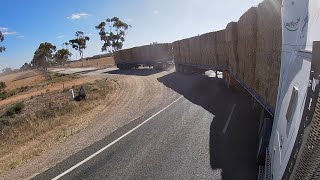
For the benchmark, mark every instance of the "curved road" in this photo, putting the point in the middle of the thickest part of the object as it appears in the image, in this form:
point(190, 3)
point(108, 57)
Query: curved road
point(206, 132)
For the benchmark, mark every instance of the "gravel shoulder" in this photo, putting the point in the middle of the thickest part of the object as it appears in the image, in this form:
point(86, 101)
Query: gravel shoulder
point(139, 92)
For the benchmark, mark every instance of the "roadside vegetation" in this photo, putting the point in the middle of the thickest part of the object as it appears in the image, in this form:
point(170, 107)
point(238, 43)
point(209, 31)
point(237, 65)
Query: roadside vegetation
point(31, 127)
point(36, 108)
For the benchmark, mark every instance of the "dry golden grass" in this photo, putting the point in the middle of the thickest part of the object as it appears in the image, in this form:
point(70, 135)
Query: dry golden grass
point(24, 78)
point(56, 83)
point(38, 128)
point(102, 62)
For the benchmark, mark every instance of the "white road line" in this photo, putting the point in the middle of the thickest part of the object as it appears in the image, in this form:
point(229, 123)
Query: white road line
point(115, 141)
point(229, 119)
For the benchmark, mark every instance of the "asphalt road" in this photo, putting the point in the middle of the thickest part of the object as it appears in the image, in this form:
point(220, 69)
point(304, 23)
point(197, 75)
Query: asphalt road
point(208, 132)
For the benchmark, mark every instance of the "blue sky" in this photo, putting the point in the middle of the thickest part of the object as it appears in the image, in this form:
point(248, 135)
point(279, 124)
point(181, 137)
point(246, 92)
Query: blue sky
point(27, 23)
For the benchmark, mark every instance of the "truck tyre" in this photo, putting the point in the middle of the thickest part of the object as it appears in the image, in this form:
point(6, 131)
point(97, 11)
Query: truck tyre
point(155, 67)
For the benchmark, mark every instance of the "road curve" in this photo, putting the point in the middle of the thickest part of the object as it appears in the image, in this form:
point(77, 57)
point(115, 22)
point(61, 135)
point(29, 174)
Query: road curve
point(209, 133)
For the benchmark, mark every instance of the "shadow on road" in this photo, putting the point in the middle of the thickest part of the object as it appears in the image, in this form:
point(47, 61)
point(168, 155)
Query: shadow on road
point(233, 151)
point(135, 72)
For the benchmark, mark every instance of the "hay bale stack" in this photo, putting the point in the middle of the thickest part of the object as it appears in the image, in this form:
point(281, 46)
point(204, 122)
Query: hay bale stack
point(135, 54)
point(268, 49)
point(195, 50)
point(176, 52)
point(167, 52)
point(126, 55)
point(146, 53)
point(221, 45)
point(209, 49)
point(156, 52)
point(231, 37)
point(117, 56)
point(184, 51)
point(247, 47)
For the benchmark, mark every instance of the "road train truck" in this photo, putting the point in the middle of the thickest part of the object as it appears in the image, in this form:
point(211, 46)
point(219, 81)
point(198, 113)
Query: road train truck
point(292, 145)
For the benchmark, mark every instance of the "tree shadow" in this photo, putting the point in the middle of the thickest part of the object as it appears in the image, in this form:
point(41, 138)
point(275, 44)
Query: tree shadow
point(134, 72)
point(233, 150)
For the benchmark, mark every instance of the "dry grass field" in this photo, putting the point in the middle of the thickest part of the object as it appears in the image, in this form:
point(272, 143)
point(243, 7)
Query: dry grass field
point(102, 62)
point(34, 120)
point(24, 78)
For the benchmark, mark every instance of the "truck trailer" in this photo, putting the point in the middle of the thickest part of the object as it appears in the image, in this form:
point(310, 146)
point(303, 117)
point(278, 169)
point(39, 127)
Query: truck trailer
point(273, 52)
point(158, 56)
point(289, 131)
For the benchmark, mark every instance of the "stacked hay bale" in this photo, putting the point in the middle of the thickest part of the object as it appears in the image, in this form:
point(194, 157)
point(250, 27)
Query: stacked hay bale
point(195, 50)
point(117, 56)
point(268, 49)
point(176, 52)
point(184, 51)
point(209, 49)
point(231, 37)
point(151, 53)
point(167, 52)
point(222, 58)
point(135, 54)
point(146, 53)
point(126, 55)
point(247, 47)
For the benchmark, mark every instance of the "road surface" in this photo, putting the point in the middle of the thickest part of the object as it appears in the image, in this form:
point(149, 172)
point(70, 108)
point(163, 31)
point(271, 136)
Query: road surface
point(206, 132)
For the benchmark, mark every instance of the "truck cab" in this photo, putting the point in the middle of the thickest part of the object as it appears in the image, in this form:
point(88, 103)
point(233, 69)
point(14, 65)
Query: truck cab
point(297, 86)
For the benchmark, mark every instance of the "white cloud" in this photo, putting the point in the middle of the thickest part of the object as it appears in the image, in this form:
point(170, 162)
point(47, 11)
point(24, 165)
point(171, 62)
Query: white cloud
point(4, 29)
point(89, 34)
point(20, 37)
point(9, 33)
point(61, 36)
point(129, 20)
point(78, 16)
point(156, 12)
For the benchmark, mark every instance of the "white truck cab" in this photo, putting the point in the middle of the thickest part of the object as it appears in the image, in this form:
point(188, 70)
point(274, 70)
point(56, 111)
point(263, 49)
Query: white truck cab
point(300, 28)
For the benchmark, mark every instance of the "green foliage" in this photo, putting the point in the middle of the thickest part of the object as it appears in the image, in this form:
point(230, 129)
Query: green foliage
point(3, 95)
point(2, 48)
point(113, 35)
point(14, 109)
point(62, 56)
point(80, 42)
point(2, 85)
point(7, 70)
point(4, 121)
point(26, 66)
point(44, 55)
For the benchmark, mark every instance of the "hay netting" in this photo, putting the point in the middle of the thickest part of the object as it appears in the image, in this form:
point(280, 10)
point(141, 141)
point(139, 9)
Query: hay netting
point(230, 50)
point(184, 51)
point(209, 49)
point(221, 45)
point(247, 47)
point(268, 50)
point(195, 50)
point(176, 52)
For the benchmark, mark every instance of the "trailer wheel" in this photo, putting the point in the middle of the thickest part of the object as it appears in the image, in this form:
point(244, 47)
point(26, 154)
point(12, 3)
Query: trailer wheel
point(120, 66)
point(178, 68)
point(155, 67)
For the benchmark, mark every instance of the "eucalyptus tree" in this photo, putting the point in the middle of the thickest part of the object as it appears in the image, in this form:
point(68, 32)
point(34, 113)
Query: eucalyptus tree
point(2, 48)
point(112, 32)
point(80, 42)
